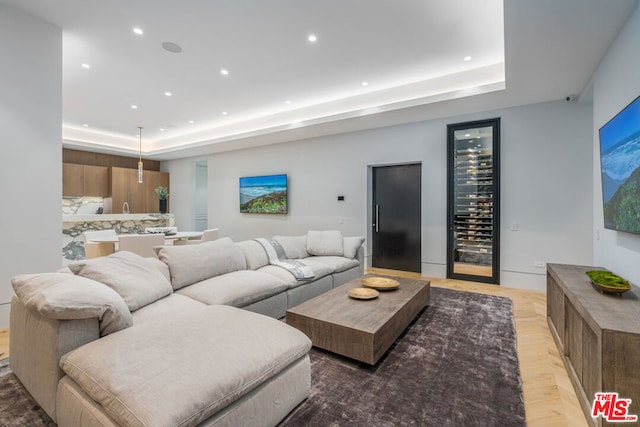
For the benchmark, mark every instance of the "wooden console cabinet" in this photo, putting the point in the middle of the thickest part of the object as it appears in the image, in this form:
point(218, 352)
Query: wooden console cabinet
point(598, 336)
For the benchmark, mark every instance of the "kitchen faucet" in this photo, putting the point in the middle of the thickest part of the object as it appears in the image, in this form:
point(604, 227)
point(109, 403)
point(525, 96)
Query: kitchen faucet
point(125, 208)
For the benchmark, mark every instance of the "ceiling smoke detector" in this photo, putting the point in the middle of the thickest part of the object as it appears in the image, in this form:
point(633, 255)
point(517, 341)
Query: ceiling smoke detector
point(171, 47)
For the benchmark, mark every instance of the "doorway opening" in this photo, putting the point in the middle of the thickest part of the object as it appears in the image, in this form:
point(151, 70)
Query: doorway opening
point(200, 217)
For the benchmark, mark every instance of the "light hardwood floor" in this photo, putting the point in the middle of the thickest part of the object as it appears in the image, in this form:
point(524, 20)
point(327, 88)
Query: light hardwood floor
point(4, 343)
point(549, 398)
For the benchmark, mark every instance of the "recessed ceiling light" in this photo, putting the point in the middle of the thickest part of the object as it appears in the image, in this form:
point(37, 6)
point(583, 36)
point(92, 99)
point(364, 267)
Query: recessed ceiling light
point(138, 31)
point(467, 135)
point(224, 72)
point(224, 113)
point(87, 66)
point(467, 58)
point(287, 102)
point(171, 47)
point(161, 129)
point(135, 107)
point(312, 38)
point(191, 122)
point(365, 83)
point(85, 125)
point(168, 93)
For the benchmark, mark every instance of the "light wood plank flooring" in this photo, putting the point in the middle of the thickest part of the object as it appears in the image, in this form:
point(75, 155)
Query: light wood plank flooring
point(549, 397)
point(4, 343)
point(548, 394)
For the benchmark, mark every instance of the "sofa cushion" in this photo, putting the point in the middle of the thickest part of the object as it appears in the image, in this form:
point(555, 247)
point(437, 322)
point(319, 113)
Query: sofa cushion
point(280, 273)
point(338, 264)
point(190, 264)
point(319, 269)
point(254, 253)
point(294, 246)
point(217, 355)
point(237, 289)
point(172, 304)
point(63, 296)
point(328, 242)
point(351, 246)
point(137, 280)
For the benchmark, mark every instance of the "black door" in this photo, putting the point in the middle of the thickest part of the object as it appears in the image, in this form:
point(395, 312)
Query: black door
point(396, 217)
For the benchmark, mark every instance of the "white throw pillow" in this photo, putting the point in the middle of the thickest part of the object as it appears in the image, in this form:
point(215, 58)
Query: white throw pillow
point(351, 246)
point(325, 243)
point(190, 264)
point(137, 280)
point(294, 246)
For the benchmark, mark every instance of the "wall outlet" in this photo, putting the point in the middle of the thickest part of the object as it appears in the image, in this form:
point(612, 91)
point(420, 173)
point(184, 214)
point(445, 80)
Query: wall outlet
point(539, 264)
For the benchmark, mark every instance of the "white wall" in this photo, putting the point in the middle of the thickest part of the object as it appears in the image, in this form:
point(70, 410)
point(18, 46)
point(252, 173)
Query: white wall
point(616, 83)
point(546, 186)
point(31, 161)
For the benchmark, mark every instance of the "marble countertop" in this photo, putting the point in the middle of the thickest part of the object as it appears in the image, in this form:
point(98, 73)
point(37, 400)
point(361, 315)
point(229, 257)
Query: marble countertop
point(113, 217)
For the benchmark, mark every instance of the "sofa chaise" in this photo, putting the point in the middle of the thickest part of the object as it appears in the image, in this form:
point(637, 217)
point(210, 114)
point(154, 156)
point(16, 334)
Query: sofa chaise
point(188, 338)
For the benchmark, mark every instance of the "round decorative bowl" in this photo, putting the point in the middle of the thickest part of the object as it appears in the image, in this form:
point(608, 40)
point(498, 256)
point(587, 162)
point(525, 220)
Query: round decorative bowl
point(363, 293)
point(600, 277)
point(380, 283)
point(609, 289)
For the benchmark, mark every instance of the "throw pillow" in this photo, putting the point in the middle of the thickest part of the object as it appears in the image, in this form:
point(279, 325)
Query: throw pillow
point(64, 296)
point(254, 253)
point(190, 264)
point(351, 246)
point(137, 280)
point(325, 243)
point(294, 246)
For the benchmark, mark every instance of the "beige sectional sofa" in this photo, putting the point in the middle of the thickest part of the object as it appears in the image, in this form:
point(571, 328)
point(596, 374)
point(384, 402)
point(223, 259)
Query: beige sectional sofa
point(189, 338)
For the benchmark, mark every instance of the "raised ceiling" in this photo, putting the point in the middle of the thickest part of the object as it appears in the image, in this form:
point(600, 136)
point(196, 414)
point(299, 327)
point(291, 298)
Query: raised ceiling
point(374, 63)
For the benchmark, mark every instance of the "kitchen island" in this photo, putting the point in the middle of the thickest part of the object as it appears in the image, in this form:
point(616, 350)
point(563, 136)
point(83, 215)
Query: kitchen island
point(74, 225)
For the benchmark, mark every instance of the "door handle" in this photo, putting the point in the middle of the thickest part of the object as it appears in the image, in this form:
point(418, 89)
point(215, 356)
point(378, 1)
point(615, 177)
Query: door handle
point(377, 218)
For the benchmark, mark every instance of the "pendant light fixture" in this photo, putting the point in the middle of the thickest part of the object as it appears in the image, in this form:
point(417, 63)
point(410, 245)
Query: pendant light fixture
point(140, 159)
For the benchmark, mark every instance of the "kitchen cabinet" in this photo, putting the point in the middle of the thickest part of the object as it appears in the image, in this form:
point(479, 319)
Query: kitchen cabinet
point(84, 180)
point(141, 197)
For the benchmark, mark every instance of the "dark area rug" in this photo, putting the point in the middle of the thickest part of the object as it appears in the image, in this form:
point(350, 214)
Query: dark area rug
point(17, 407)
point(456, 365)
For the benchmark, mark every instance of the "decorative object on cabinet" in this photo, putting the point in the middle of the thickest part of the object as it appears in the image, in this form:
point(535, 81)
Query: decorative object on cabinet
point(163, 193)
point(609, 282)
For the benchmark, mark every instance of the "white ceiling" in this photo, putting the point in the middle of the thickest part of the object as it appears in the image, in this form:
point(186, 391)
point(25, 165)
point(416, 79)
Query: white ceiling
point(411, 53)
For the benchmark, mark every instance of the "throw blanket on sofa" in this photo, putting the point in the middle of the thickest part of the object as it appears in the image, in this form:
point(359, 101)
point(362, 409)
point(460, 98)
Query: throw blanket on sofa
point(277, 256)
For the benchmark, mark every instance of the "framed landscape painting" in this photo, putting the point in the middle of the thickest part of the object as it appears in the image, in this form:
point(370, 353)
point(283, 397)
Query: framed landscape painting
point(264, 194)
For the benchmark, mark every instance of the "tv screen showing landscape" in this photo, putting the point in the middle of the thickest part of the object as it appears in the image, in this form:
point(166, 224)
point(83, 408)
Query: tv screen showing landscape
point(263, 194)
point(620, 166)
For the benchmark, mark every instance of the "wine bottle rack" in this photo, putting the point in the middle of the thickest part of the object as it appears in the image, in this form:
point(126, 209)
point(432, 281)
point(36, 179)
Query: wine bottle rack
point(473, 213)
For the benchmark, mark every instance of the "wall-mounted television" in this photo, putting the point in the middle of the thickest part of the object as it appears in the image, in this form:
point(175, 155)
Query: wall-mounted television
point(620, 168)
point(263, 194)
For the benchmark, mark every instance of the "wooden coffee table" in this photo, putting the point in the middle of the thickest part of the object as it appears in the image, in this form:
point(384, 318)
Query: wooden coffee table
point(360, 329)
